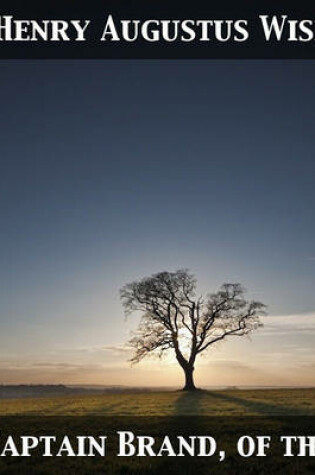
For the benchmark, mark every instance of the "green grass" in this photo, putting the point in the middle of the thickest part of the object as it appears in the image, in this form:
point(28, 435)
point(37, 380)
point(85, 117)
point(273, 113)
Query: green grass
point(213, 403)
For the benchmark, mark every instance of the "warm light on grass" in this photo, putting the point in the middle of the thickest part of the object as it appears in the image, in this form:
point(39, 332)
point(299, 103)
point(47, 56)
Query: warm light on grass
point(219, 403)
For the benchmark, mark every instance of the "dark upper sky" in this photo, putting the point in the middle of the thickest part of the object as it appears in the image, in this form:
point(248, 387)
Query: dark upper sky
point(113, 170)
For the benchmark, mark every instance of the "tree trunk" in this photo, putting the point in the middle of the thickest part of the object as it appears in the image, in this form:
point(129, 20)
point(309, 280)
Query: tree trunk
point(189, 379)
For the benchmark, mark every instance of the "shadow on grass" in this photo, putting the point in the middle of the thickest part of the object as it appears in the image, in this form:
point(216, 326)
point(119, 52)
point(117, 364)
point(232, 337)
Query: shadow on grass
point(189, 403)
point(198, 403)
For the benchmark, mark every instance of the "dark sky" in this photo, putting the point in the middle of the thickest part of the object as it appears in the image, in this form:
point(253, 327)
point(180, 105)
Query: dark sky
point(112, 170)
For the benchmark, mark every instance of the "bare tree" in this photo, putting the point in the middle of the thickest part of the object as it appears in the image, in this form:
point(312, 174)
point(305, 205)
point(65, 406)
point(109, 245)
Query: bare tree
point(173, 318)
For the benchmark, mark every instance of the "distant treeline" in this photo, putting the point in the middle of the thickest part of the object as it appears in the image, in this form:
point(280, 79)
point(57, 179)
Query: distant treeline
point(25, 390)
point(46, 390)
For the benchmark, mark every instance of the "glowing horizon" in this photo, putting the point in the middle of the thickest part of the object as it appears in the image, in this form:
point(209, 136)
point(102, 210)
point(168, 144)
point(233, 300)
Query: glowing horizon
point(232, 363)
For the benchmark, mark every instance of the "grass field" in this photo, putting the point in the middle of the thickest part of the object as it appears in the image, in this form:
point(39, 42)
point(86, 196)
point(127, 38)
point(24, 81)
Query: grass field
point(265, 411)
point(217, 403)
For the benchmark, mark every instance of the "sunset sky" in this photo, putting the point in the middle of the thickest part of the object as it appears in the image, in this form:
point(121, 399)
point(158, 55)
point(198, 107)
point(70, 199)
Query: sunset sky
point(114, 170)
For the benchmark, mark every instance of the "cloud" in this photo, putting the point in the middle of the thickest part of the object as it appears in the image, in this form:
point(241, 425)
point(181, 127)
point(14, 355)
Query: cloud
point(228, 363)
point(288, 324)
point(46, 365)
point(117, 349)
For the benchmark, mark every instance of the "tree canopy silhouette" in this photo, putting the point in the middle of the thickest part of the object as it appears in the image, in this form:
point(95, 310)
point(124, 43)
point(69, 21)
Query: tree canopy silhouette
point(173, 318)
